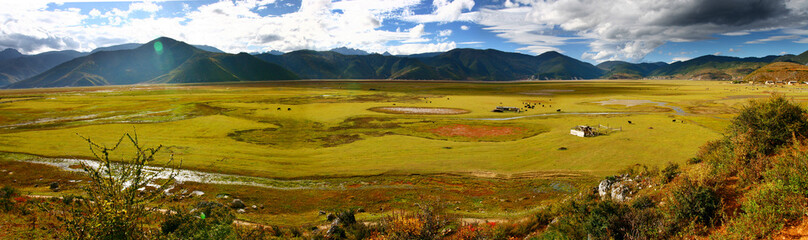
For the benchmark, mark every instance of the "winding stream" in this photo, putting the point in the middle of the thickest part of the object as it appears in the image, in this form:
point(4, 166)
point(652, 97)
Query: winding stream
point(183, 175)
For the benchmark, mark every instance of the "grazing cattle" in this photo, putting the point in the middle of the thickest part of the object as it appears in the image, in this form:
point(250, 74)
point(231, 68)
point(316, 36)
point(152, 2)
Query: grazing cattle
point(629, 122)
point(289, 109)
point(674, 120)
point(558, 110)
point(279, 109)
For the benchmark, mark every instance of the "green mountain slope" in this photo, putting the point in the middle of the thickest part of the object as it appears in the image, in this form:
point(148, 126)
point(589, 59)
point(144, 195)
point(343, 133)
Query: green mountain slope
point(712, 67)
point(625, 70)
point(457, 64)
point(162, 60)
point(17, 67)
point(331, 65)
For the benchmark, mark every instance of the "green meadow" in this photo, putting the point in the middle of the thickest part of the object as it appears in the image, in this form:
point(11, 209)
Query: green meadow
point(328, 131)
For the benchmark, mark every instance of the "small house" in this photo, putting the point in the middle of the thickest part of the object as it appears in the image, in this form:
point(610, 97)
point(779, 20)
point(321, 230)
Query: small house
point(506, 109)
point(793, 82)
point(769, 82)
point(583, 131)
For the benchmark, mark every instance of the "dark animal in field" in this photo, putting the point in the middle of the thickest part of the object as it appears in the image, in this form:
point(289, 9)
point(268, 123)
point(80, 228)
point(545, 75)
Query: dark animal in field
point(289, 109)
point(674, 120)
point(279, 109)
point(629, 122)
point(558, 110)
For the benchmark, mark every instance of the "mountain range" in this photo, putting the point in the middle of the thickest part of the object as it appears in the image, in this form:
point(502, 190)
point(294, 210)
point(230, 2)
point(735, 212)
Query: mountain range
point(14, 66)
point(178, 62)
point(162, 60)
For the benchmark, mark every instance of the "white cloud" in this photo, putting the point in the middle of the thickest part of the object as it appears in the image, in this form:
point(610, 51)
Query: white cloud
point(405, 49)
point(149, 7)
point(446, 11)
point(464, 27)
point(232, 26)
point(512, 25)
point(680, 59)
point(739, 33)
point(445, 33)
point(95, 13)
point(631, 29)
point(773, 39)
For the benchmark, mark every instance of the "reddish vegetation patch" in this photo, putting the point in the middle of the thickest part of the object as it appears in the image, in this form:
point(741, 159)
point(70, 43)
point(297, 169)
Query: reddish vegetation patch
point(478, 131)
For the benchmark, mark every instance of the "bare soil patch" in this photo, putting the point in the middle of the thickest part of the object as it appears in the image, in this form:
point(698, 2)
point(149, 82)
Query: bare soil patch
point(478, 131)
point(420, 110)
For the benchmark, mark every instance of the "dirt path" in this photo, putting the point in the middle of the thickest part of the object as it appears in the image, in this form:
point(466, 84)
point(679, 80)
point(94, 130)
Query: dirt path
point(799, 231)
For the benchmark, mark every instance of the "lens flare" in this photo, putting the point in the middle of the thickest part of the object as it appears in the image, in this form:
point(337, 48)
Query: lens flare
point(158, 48)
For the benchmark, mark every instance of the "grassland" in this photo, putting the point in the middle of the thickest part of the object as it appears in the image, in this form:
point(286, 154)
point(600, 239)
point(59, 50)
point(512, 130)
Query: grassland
point(324, 131)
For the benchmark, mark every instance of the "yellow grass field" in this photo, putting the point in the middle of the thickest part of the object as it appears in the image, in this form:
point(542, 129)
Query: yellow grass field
point(333, 136)
point(330, 132)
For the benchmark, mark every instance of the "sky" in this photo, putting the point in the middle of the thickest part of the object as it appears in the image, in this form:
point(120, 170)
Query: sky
point(590, 30)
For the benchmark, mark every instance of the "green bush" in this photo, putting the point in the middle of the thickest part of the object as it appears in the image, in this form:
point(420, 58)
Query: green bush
point(768, 125)
point(7, 195)
point(693, 203)
point(761, 129)
point(187, 224)
point(766, 210)
point(114, 207)
point(720, 155)
point(605, 220)
point(669, 172)
point(791, 169)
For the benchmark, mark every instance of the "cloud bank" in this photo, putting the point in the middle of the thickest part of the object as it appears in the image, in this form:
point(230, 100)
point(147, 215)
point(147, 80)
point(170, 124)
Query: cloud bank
point(609, 30)
point(631, 29)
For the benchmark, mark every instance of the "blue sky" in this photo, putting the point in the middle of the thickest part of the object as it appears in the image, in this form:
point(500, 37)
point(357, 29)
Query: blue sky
point(590, 30)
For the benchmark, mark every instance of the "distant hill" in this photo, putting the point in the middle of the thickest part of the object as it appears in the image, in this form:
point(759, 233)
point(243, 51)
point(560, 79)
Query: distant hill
point(457, 64)
point(625, 70)
point(801, 59)
point(9, 53)
point(712, 67)
point(129, 46)
point(162, 60)
point(349, 51)
point(14, 69)
point(779, 71)
point(554, 65)
point(331, 65)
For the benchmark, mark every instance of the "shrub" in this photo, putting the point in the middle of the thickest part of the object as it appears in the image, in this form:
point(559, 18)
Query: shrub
point(766, 209)
point(187, 224)
point(669, 172)
point(791, 169)
point(693, 203)
point(7, 195)
point(768, 125)
point(605, 220)
point(720, 155)
point(425, 224)
point(114, 207)
point(762, 128)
